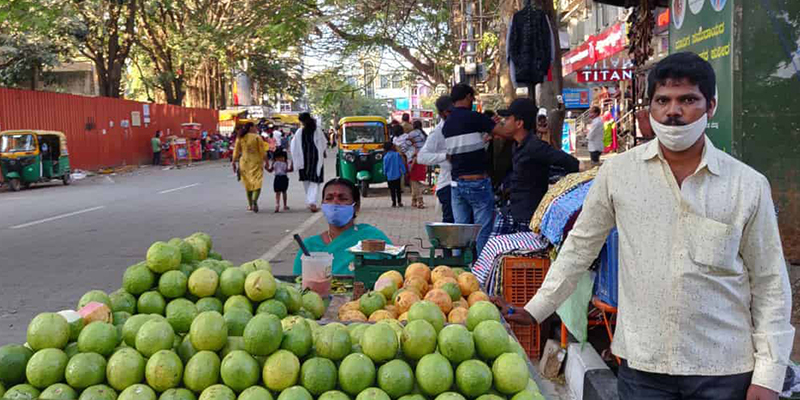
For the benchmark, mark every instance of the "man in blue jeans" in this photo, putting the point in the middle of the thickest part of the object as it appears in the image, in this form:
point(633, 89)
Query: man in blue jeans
point(467, 134)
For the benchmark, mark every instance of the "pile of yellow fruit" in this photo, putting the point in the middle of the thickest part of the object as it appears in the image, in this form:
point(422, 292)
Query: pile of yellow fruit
point(453, 290)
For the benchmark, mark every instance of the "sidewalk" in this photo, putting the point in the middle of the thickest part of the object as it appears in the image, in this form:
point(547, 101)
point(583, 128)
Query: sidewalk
point(401, 225)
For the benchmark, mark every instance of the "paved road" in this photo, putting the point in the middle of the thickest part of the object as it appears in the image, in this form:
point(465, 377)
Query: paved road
point(58, 242)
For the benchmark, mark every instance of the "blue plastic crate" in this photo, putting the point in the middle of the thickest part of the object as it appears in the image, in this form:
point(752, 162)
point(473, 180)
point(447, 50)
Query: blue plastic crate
point(606, 282)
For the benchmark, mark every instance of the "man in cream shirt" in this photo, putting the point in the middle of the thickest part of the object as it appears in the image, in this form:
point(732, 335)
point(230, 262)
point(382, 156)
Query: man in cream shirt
point(434, 152)
point(704, 295)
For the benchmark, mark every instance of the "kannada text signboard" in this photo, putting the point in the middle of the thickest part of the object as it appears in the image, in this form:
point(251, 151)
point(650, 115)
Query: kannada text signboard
point(704, 27)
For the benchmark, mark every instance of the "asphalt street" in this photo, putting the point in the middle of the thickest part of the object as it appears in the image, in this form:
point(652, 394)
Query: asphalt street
point(58, 242)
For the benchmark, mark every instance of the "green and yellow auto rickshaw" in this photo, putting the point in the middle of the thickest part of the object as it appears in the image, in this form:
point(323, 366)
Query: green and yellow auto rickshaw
point(31, 156)
point(360, 155)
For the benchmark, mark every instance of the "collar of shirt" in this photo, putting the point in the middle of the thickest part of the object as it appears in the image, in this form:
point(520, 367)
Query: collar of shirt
point(710, 158)
point(525, 141)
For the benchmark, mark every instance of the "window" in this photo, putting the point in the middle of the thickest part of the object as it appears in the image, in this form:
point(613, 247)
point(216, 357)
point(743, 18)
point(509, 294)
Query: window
point(397, 81)
point(22, 143)
point(286, 106)
point(385, 82)
point(364, 132)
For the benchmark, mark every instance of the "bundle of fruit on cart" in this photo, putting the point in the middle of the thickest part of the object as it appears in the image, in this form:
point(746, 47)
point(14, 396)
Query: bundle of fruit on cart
point(188, 325)
point(453, 290)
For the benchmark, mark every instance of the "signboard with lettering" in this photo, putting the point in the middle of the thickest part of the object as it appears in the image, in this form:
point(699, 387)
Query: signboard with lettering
point(605, 75)
point(596, 48)
point(578, 58)
point(611, 41)
point(705, 29)
point(146, 113)
point(136, 118)
point(577, 98)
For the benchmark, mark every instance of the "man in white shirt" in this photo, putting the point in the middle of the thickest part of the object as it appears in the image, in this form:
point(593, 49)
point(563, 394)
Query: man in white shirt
point(595, 135)
point(434, 152)
point(278, 135)
point(704, 294)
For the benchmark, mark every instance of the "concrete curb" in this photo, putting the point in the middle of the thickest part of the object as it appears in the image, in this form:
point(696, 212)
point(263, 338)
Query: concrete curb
point(587, 375)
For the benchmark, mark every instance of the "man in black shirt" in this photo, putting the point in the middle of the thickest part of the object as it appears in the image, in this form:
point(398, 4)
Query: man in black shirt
point(531, 160)
point(466, 134)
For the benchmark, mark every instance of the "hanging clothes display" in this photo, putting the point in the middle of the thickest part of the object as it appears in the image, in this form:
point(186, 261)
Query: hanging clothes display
point(529, 46)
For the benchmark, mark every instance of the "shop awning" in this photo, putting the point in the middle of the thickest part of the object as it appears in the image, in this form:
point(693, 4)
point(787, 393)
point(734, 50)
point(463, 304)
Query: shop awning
point(630, 3)
point(291, 119)
point(227, 115)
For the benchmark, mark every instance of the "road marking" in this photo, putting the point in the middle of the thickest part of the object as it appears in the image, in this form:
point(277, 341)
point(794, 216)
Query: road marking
point(14, 198)
point(176, 189)
point(289, 238)
point(41, 221)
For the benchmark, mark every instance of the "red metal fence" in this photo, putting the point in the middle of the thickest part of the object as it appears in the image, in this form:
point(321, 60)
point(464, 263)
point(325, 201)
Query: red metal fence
point(94, 125)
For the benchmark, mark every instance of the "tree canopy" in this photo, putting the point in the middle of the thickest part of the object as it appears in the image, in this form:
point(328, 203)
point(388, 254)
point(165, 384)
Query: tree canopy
point(187, 51)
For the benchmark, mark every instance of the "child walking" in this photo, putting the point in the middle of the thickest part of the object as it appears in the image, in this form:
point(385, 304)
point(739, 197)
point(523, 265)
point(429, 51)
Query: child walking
point(280, 166)
point(393, 168)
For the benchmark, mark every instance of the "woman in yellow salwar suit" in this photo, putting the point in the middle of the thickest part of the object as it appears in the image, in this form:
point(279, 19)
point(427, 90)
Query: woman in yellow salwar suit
point(251, 156)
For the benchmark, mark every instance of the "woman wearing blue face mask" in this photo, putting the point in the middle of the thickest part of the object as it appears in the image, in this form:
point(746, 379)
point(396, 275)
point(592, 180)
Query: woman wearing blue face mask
point(341, 201)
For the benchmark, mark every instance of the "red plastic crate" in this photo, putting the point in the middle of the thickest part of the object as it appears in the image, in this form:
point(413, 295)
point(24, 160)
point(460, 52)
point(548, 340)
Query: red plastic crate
point(522, 278)
point(530, 338)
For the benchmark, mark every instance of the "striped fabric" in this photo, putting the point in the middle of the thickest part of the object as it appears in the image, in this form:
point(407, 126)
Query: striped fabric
point(465, 143)
point(499, 245)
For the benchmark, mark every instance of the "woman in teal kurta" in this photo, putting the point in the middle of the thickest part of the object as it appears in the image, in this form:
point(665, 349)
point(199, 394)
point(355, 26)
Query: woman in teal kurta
point(341, 201)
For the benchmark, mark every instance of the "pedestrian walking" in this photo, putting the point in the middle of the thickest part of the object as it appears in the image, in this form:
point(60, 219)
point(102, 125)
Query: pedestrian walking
point(403, 146)
point(393, 168)
point(401, 142)
point(280, 167)
point(308, 150)
point(279, 139)
point(595, 135)
point(704, 294)
point(542, 129)
point(250, 155)
point(434, 152)
point(156, 143)
point(273, 145)
point(531, 161)
point(466, 134)
point(417, 172)
point(406, 124)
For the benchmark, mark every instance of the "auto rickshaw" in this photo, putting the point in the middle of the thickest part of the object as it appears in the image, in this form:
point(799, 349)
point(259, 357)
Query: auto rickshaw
point(360, 155)
point(30, 156)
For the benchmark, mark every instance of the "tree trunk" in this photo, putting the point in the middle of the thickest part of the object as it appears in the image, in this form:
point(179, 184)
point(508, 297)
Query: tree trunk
point(109, 77)
point(35, 78)
point(547, 95)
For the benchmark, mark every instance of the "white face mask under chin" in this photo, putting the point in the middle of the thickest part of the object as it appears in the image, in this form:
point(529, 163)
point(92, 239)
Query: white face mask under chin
point(679, 138)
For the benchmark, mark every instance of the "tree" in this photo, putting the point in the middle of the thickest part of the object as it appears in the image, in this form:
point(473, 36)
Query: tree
point(27, 48)
point(24, 61)
point(332, 97)
point(104, 32)
point(276, 75)
point(193, 45)
point(159, 37)
point(418, 31)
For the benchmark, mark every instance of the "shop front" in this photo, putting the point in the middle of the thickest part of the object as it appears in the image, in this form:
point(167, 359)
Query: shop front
point(598, 73)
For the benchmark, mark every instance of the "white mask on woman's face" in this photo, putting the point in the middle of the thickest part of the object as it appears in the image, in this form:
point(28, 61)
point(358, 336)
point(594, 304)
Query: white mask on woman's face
point(679, 137)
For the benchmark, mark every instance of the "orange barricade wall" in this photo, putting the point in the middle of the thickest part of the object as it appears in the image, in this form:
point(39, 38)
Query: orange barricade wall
point(93, 125)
